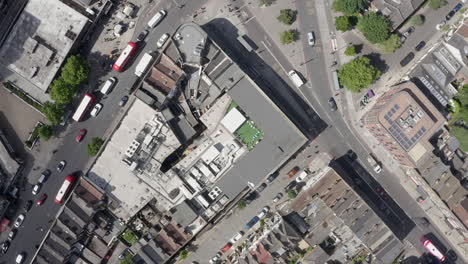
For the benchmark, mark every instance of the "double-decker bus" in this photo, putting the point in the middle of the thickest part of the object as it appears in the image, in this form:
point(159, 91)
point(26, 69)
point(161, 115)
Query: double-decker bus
point(63, 191)
point(83, 107)
point(432, 249)
point(129, 51)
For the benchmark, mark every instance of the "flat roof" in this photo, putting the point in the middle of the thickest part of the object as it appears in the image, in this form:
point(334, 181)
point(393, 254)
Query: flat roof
point(281, 140)
point(41, 39)
point(233, 120)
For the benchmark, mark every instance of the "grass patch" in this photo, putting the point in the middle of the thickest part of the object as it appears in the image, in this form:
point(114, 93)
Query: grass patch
point(249, 134)
point(231, 106)
point(129, 237)
point(127, 259)
point(23, 96)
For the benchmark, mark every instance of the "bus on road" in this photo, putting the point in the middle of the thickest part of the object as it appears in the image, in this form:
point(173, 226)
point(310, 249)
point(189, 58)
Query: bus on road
point(83, 107)
point(129, 51)
point(63, 191)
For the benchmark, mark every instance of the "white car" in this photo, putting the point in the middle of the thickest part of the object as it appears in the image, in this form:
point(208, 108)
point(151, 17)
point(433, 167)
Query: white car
point(19, 220)
point(311, 38)
point(277, 197)
point(301, 176)
point(19, 258)
point(162, 40)
point(264, 211)
point(236, 238)
point(36, 189)
point(96, 109)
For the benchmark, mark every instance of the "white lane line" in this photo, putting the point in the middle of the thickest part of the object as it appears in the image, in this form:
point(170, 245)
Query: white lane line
point(274, 57)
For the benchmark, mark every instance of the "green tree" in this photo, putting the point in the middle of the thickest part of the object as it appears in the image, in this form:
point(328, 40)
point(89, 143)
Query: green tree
point(358, 74)
point(343, 23)
point(391, 44)
point(54, 112)
point(127, 259)
point(95, 145)
point(350, 7)
point(262, 222)
point(350, 50)
point(241, 204)
point(75, 70)
point(183, 254)
point(436, 4)
point(288, 36)
point(417, 20)
point(287, 16)
point(375, 27)
point(62, 92)
point(45, 132)
point(292, 194)
point(266, 2)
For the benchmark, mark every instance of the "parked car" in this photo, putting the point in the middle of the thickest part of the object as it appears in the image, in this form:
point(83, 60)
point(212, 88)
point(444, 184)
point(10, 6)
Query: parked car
point(252, 196)
point(407, 59)
point(96, 109)
point(28, 205)
point(142, 35)
point(450, 15)
point(36, 188)
point(264, 211)
point(61, 166)
point(420, 46)
point(272, 177)
point(5, 246)
point(311, 38)
point(261, 187)
point(301, 176)
point(293, 172)
point(123, 100)
point(162, 40)
point(278, 197)
point(226, 247)
point(81, 135)
point(290, 186)
point(441, 24)
point(332, 104)
point(124, 253)
point(19, 220)
point(12, 234)
point(42, 199)
point(20, 258)
point(408, 32)
point(44, 176)
point(236, 237)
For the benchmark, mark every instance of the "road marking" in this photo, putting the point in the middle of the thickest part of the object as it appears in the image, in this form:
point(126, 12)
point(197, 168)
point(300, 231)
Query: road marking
point(274, 57)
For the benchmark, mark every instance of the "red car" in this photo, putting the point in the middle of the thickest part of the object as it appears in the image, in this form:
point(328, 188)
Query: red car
point(42, 199)
point(81, 135)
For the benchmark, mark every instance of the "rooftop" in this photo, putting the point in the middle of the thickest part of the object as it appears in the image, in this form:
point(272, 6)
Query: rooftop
point(41, 39)
point(397, 11)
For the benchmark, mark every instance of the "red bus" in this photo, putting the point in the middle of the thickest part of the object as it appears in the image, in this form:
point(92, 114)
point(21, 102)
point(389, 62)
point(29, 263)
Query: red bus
point(83, 107)
point(432, 249)
point(124, 56)
point(66, 186)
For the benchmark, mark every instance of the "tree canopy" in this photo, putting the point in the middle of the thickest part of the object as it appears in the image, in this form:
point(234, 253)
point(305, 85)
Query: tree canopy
point(95, 145)
point(288, 36)
point(436, 4)
point(54, 112)
point(343, 23)
point(350, 7)
point(375, 27)
point(350, 50)
point(358, 74)
point(62, 92)
point(45, 132)
point(417, 20)
point(287, 16)
point(75, 70)
point(266, 2)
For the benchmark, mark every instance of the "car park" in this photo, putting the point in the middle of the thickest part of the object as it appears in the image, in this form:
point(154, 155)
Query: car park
point(81, 135)
point(236, 237)
point(407, 59)
point(277, 197)
point(12, 234)
point(19, 220)
point(5, 246)
point(162, 40)
point(142, 35)
point(42, 199)
point(332, 104)
point(28, 205)
point(19, 258)
point(123, 100)
point(61, 166)
point(36, 188)
point(96, 109)
point(311, 38)
point(420, 46)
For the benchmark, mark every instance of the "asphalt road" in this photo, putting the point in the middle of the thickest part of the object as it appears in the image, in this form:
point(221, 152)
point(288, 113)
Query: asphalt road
point(39, 219)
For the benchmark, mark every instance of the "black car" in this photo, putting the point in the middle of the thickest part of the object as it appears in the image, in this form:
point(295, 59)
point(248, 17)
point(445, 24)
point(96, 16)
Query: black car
point(449, 15)
point(272, 177)
point(252, 196)
point(407, 59)
point(12, 234)
point(123, 100)
point(5, 246)
point(28, 205)
point(332, 104)
point(292, 185)
point(142, 35)
point(261, 187)
point(420, 46)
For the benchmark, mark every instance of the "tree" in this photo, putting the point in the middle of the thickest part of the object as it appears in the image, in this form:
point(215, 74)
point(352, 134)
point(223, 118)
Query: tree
point(436, 4)
point(292, 194)
point(62, 92)
point(288, 36)
point(375, 27)
point(391, 44)
point(343, 23)
point(417, 20)
point(45, 132)
point(95, 145)
point(350, 7)
point(75, 70)
point(287, 16)
point(183, 254)
point(241, 204)
point(266, 2)
point(54, 112)
point(358, 74)
point(350, 50)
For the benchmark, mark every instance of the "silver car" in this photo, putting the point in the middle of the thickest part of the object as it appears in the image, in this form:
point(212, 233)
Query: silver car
point(311, 38)
point(162, 40)
point(19, 220)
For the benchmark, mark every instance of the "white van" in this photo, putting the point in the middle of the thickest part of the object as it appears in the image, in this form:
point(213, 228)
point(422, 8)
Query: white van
point(156, 19)
point(107, 87)
point(295, 78)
